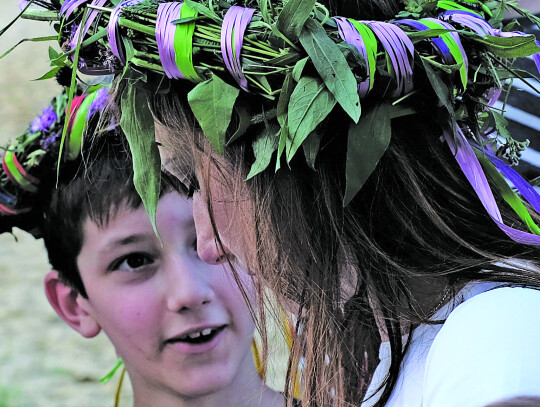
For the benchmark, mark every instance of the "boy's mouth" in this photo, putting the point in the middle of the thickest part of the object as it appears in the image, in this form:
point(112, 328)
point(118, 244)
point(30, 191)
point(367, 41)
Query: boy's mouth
point(198, 337)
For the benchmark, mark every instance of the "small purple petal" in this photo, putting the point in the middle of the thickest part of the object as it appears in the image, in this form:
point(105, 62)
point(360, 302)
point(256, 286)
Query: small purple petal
point(350, 35)
point(233, 28)
point(36, 125)
point(100, 101)
point(48, 117)
point(45, 144)
point(400, 51)
point(165, 33)
point(113, 33)
point(472, 169)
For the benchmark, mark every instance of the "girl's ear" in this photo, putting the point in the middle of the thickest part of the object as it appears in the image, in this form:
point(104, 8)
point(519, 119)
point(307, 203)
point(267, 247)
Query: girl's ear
point(70, 306)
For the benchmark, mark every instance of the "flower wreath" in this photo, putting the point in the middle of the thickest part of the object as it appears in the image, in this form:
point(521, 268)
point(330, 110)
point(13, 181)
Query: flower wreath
point(457, 55)
point(35, 155)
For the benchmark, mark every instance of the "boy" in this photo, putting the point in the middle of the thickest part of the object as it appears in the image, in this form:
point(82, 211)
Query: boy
point(181, 326)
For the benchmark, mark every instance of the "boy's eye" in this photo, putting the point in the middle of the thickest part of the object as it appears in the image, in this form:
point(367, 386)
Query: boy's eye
point(132, 262)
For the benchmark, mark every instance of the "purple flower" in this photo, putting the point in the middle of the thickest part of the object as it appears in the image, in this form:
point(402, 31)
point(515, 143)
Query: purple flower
point(36, 125)
point(48, 117)
point(42, 123)
point(45, 144)
point(99, 102)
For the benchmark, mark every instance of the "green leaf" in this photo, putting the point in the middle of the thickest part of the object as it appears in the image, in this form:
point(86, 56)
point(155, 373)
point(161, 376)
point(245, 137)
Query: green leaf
point(500, 124)
point(311, 148)
point(283, 137)
point(212, 104)
point(310, 104)
point(366, 144)
point(439, 87)
point(293, 17)
point(283, 101)
point(49, 75)
point(205, 11)
point(53, 54)
point(263, 148)
point(508, 47)
point(244, 121)
point(36, 39)
point(299, 68)
point(137, 123)
point(332, 67)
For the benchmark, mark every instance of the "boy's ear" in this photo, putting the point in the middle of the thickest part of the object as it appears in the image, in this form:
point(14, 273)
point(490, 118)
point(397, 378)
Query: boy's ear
point(70, 306)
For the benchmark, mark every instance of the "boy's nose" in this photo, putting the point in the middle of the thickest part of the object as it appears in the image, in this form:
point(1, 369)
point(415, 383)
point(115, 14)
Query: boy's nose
point(207, 247)
point(188, 287)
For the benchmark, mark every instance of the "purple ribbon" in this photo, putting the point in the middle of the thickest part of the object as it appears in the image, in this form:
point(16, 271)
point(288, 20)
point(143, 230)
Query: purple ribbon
point(439, 45)
point(113, 32)
point(348, 33)
point(472, 169)
point(233, 28)
point(483, 28)
point(400, 50)
point(81, 31)
point(525, 189)
point(165, 31)
point(69, 7)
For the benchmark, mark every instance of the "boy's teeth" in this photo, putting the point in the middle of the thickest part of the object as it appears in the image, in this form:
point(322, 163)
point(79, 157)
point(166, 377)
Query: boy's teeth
point(207, 331)
point(194, 335)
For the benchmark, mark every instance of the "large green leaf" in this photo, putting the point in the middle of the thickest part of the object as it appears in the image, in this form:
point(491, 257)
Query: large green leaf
point(332, 67)
point(293, 17)
point(310, 104)
point(212, 104)
point(366, 144)
point(137, 123)
point(509, 47)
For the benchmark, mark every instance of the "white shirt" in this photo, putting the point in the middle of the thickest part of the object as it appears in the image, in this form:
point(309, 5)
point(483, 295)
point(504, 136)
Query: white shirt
point(487, 350)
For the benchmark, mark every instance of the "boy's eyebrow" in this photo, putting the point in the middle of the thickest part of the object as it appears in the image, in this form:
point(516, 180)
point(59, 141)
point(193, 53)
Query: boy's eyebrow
point(116, 243)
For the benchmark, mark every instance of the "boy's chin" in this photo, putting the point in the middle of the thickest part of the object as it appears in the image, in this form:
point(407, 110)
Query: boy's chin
point(204, 384)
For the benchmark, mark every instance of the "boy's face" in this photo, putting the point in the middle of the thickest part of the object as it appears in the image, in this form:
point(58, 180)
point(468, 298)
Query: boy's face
point(154, 301)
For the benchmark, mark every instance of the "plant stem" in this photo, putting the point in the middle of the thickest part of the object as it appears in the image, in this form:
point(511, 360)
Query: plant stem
point(123, 22)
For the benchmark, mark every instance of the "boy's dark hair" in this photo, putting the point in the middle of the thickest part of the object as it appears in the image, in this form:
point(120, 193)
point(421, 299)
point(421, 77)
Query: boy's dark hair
point(94, 187)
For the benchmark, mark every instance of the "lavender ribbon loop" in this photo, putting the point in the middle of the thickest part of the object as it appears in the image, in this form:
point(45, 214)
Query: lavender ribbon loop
point(233, 28)
point(113, 33)
point(472, 169)
point(167, 12)
point(400, 51)
point(350, 35)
